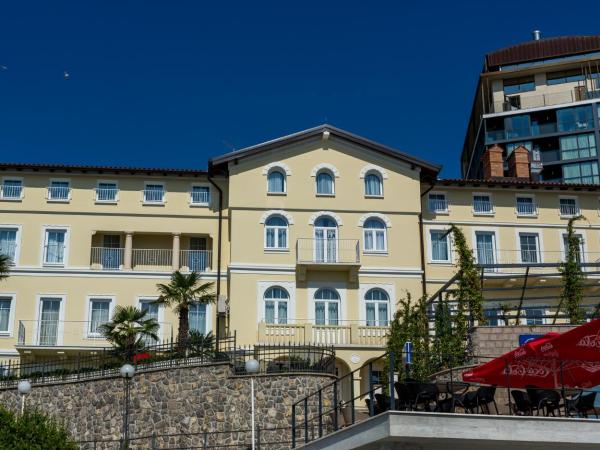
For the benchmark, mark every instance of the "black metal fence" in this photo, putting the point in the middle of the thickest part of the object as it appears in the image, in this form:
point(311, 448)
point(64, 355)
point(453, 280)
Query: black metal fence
point(338, 404)
point(276, 438)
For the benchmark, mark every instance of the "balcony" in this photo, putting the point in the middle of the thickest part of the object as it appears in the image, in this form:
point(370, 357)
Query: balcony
point(494, 261)
point(11, 191)
point(352, 334)
point(148, 259)
point(524, 101)
point(52, 334)
point(328, 254)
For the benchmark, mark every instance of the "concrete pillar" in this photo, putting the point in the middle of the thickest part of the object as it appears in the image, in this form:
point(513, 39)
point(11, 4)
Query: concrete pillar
point(127, 259)
point(176, 248)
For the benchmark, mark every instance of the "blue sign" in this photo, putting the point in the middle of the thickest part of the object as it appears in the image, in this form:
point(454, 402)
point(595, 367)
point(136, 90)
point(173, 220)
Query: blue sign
point(525, 338)
point(407, 353)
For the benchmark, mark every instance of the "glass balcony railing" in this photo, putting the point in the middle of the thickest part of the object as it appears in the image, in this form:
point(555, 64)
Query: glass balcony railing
point(536, 130)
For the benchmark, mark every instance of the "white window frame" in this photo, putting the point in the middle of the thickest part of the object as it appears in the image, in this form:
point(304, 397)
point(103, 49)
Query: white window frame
point(115, 200)
point(439, 212)
point(17, 240)
point(45, 230)
point(59, 200)
point(385, 237)
point(569, 197)
point(287, 234)
point(540, 243)
point(161, 313)
point(276, 309)
point(562, 234)
point(535, 206)
point(283, 172)
point(341, 289)
point(390, 290)
point(379, 175)
point(11, 314)
point(88, 317)
point(496, 238)
point(201, 204)
point(332, 175)
point(12, 199)
point(491, 212)
point(262, 288)
point(150, 202)
point(430, 246)
point(61, 317)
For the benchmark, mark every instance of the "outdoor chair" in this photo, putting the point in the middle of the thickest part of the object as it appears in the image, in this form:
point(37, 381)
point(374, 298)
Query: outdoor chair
point(581, 403)
point(521, 403)
point(485, 397)
point(545, 400)
point(532, 393)
point(376, 410)
point(455, 391)
point(424, 394)
point(403, 402)
point(382, 401)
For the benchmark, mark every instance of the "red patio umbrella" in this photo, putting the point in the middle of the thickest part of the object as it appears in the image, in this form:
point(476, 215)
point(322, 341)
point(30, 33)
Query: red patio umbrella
point(571, 359)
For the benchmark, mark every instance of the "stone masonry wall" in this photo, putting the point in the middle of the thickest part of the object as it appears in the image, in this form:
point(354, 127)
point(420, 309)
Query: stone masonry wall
point(178, 400)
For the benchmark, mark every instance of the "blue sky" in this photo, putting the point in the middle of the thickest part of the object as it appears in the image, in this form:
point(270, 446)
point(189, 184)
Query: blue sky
point(172, 83)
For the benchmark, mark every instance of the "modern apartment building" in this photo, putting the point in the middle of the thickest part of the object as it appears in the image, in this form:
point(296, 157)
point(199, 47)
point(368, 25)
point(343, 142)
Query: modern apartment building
point(312, 238)
point(542, 95)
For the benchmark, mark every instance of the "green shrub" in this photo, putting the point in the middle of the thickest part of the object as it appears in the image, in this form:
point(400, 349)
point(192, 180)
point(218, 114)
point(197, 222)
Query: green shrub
point(32, 431)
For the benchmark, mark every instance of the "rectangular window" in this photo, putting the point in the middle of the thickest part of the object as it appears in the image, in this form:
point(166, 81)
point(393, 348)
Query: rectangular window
point(49, 321)
point(579, 146)
point(526, 206)
point(440, 249)
point(54, 248)
point(11, 189)
point(99, 314)
point(584, 173)
point(200, 195)
point(491, 316)
point(154, 193)
point(438, 203)
point(579, 255)
point(573, 119)
point(59, 190)
point(5, 305)
point(568, 207)
point(8, 243)
point(529, 247)
point(482, 204)
point(197, 317)
point(534, 316)
point(516, 85)
point(151, 309)
point(517, 126)
point(565, 76)
point(106, 192)
point(485, 242)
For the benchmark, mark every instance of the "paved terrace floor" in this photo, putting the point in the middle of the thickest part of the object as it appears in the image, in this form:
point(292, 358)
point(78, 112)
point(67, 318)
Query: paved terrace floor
point(433, 431)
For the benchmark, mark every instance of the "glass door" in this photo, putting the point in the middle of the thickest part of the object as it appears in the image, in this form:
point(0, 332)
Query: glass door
point(111, 251)
point(152, 313)
point(198, 256)
point(325, 240)
point(49, 315)
point(486, 248)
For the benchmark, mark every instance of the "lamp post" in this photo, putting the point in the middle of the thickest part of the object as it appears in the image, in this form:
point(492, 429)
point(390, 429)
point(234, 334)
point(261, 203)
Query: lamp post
point(127, 372)
point(24, 388)
point(252, 367)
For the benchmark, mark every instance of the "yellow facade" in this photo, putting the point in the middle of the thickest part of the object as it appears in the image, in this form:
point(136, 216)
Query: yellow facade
point(305, 257)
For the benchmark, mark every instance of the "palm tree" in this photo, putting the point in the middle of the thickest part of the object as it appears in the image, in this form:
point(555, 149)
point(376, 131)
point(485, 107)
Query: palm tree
point(182, 292)
point(4, 263)
point(129, 330)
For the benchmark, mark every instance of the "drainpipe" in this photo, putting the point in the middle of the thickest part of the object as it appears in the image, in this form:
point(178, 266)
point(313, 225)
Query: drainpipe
point(422, 240)
point(219, 241)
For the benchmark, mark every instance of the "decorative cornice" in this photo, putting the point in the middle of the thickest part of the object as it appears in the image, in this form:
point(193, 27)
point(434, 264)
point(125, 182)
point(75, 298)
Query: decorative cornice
point(278, 212)
point(277, 165)
point(331, 214)
point(373, 168)
point(383, 217)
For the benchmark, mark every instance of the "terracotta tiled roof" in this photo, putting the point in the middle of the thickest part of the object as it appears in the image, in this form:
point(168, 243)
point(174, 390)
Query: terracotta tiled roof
point(518, 183)
point(37, 167)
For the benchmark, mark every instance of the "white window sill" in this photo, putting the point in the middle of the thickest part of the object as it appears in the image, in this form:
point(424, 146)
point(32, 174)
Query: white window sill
point(484, 214)
point(441, 263)
point(373, 196)
point(48, 264)
point(276, 250)
point(11, 199)
point(277, 193)
point(145, 203)
point(5, 334)
point(325, 195)
point(569, 216)
point(58, 200)
point(534, 216)
point(107, 202)
point(440, 213)
point(375, 252)
point(199, 205)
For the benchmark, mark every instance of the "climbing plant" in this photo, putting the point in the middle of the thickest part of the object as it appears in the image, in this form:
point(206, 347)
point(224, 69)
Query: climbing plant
point(450, 338)
point(572, 277)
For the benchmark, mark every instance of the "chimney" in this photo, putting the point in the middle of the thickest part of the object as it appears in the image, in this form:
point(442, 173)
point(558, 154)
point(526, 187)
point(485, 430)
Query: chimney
point(519, 163)
point(493, 166)
point(537, 35)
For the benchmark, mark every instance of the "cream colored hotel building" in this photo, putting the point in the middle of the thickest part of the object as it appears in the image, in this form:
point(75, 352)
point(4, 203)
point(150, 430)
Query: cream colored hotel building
point(312, 237)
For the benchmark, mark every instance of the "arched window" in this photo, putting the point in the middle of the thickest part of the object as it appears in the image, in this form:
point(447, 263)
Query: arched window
point(276, 305)
point(373, 185)
point(377, 301)
point(325, 184)
point(197, 317)
point(276, 182)
point(276, 232)
point(375, 235)
point(327, 307)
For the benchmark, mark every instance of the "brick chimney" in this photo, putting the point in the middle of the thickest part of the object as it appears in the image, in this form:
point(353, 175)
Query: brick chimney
point(493, 166)
point(519, 165)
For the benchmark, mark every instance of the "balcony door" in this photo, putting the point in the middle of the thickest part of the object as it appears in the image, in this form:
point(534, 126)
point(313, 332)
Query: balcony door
point(486, 248)
point(326, 240)
point(49, 321)
point(111, 251)
point(152, 312)
point(198, 262)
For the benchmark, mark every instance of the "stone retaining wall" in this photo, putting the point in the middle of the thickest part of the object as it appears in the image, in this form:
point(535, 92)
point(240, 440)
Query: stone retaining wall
point(177, 400)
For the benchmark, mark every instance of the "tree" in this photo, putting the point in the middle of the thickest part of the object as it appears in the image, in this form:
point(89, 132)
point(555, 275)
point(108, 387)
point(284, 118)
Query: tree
point(32, 430)
point(468, 293)
point(182, 292)
point(4, 266)
point(129, 330)
point(572, 277)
